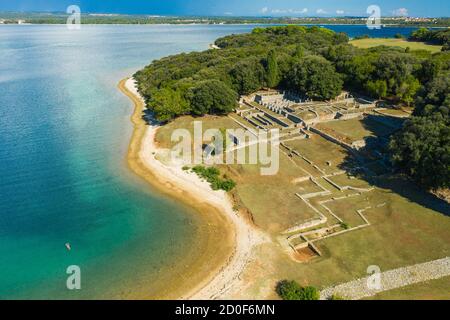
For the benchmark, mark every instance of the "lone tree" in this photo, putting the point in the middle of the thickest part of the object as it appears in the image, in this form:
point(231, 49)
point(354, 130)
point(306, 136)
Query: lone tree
point(291, 290)
point(272, 70)
point(213, 97)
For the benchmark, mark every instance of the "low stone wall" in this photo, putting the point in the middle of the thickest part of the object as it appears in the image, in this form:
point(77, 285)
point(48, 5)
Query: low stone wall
point(268, 98)
point(275, 119)
point(392, 279)
point(347, 116)
point(294, 118)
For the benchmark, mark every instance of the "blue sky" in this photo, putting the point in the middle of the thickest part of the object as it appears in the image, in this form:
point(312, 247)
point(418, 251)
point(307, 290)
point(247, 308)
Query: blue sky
point(239, 7)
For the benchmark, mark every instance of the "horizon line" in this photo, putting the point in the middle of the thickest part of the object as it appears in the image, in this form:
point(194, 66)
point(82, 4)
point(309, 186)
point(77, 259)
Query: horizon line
point(218, 16)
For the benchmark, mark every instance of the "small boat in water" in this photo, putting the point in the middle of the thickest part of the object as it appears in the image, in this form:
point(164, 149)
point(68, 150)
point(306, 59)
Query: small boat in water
point(68, 246)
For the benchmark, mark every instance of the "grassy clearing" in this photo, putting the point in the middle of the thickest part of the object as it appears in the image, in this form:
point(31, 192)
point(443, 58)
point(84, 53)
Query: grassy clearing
point(271, 199)
point(346, 210)
point(163, 137)
point(307, 187)
point(320, 151)
point(395, 113)
point(344, 180)
point(374, 42)
point(357, 129)
point(402, 233)
point(430, 290)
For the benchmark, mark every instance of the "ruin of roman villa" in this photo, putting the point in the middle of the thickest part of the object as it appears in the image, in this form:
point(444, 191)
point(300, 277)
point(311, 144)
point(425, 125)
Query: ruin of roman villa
point(302, 119)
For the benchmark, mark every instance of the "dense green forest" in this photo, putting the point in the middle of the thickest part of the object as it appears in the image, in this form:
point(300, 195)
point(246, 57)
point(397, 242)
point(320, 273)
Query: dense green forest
point(317, 63)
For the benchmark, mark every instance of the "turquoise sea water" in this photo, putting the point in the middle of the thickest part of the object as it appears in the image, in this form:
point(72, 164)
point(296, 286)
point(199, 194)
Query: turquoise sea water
point(64, 131)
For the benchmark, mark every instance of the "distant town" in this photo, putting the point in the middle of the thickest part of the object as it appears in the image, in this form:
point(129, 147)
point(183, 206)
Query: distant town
point(107, 18)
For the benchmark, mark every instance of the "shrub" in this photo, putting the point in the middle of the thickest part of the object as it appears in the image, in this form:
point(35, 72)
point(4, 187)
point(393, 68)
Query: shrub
point(212, 175)
point(291, 290)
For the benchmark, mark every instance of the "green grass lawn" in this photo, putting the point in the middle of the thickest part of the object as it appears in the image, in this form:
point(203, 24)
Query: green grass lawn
point(164, 134)
point(395, 113)
point(271, 199)
point(320, 151)
point(374, 42)
point(430, 290)
point(356, 129)
point(344, 180)
point(403, 233)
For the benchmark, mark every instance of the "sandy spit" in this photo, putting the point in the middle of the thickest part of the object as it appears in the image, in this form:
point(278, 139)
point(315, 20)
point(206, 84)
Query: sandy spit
point(220, 273)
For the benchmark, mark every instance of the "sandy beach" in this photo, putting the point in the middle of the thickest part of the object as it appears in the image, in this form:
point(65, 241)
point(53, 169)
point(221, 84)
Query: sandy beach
point(220, 272)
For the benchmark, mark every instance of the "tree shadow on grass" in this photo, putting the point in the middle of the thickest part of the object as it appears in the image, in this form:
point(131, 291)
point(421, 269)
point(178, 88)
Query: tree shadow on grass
point(371, 163)
point(409, 190)
point(382, 126)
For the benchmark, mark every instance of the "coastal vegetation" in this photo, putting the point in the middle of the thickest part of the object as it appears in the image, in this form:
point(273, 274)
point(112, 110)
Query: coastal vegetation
point(244, 64)
point(212, 176)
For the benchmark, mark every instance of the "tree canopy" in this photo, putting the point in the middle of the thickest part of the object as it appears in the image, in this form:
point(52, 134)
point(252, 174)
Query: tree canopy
point(314, 62)
point(422, 150)
point(244, 64)
point(315, 77)
point(212, 96)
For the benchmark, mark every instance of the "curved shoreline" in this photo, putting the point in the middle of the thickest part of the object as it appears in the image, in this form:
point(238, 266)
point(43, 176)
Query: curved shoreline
point(215, 275)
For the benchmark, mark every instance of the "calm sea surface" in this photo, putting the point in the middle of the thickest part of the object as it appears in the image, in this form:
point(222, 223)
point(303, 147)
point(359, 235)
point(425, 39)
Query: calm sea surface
point(64, 131)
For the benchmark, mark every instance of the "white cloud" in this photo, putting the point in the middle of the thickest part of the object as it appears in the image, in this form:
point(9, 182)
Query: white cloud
point(289, 11)
point(303, 11)
point(264, 10)
point(321, 11)
point(340, 11)
point(401, 12)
